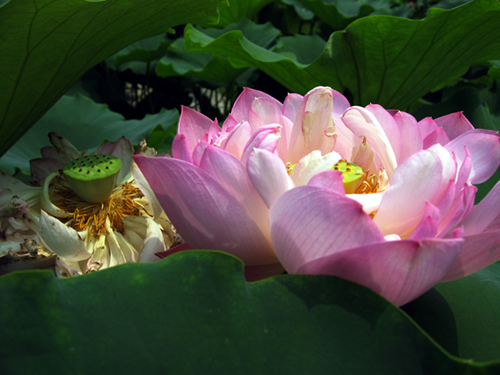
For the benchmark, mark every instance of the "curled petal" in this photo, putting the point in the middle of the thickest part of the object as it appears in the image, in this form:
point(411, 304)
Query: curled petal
point(60, 239)
point(266, 138)
point(204, 213)
point(484, 148)
point(143, 185)
point(311, 222)
point(398, 270)
point(153, 243)
point(238, 138)
point(244, 103)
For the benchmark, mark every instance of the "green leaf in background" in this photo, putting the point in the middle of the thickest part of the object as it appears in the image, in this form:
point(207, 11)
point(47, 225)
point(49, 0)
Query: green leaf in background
point(84, 123)
point(387, 60)
point(193, 313)
point(46, 45)
point(212, 67)
point(238, 10)
point(137, 55)
point(463, 315)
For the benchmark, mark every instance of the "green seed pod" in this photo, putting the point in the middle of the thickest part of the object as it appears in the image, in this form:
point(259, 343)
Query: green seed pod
point(352, 175)
point(93, 177)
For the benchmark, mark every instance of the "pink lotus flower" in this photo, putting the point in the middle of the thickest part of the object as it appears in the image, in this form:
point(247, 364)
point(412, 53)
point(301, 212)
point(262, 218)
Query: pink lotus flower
point(362, 193)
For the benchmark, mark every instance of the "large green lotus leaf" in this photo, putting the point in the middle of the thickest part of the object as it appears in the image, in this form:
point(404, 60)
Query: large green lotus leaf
point(84, 123)
point(463, 315)
point(137, 55)
point(381, 59)
point(47, 44)
point(239, 9)
point(339, 13)
point(212, 67)
point(193, 313)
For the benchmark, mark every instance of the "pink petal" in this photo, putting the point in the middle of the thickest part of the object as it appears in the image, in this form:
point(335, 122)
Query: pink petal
point(292, 105)
point(194, 126)
point(483, 214)
point(232, 175)
point(362, 122)
point(311, 222)
point(417, 181)
point(264, 111)
point(244, 102)
point(266, 138)
point(398, 270)
point(329, 179)
point(388, 123)
point(484, 148)
point(454, 124)
point(438, 136)
point(238, 139)
point(205, 214)
point(268, 174)
point(180, 148)
point(313, 121)
point(479, 251)
point(428, 226)
point(427, 126)
point(410, 133)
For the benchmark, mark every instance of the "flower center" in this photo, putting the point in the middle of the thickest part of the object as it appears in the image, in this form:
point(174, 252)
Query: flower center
point(125, 200)
point(355, 180)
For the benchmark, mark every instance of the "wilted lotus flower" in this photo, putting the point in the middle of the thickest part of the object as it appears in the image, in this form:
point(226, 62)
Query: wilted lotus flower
point(19, 215)
point(89, 220)
point(361, 193)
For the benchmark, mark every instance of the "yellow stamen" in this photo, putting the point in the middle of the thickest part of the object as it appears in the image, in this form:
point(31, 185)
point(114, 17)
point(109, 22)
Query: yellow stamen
point(124, 201)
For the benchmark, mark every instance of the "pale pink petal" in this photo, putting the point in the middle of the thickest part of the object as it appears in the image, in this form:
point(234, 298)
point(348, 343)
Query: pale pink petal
point(363, 123)
point(370, 202)
point(232, 175)
point(312, 164)
point(391, 130)
point(244, 102)
point(416, 181)
point(454, 124)
point(238, 139)
point(479, 251)
point(205, 214)
point(329, 179)
point(410, 134)
point(346, 140)
point(194, 126)
point(460, 207)
point(398, 270)
point(292, 105)
point(448, 171)
point(483, 214)
point(213, 131)
point(340, 104)
point(268, 174)
point(313, 127)
point(264, 111)
point(266, 138)
point(311, 222)
point(484, 148)
point(181, 150)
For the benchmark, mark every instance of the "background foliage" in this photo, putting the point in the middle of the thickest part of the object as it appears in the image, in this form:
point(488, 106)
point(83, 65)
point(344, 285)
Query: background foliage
point(96, 70)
